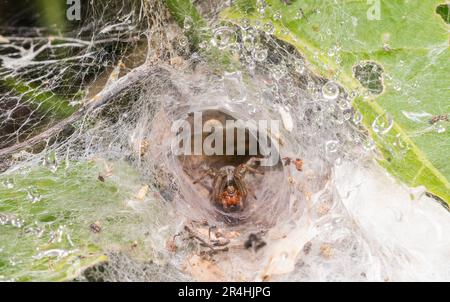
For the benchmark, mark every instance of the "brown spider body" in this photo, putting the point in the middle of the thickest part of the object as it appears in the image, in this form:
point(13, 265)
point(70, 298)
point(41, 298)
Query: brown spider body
point(229, 189)
point(231, 198)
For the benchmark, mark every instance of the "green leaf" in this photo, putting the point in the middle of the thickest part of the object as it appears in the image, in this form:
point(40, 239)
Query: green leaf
point(45, 218)
point(409, 40)
point(53, 13)
point(444, 11)
point(45, 102)
point(188, 18)
point(196, 29)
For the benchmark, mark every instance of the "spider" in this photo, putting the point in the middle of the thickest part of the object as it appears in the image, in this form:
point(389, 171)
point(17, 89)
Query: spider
point(229, 188)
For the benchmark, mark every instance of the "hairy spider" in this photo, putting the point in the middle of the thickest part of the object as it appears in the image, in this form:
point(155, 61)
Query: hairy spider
point(229, 187)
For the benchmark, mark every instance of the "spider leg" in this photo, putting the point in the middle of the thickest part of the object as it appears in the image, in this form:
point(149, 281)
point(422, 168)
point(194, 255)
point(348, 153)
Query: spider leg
point(248, 166)
point(210, 172)
point(252, 161)
point(241, 185)
point(253, 170)
point(218, 185)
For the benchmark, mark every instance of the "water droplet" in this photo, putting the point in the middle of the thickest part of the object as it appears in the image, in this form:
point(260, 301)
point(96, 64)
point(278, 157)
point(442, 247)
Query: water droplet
point(245, 23)
point(260, 54)
point(284, 256)
point(251, 31)
point(260, 2)
point(222, 37)
point(248, 43)
point(248, 59)
point(397, 86)
point(269, 28)
point(299, 15)
point(357, 117)
point(366, 95)
point(299, 66)
point(347, 114)
point(8, 184)
point(343, 104)
point(33, 196)
point(251, 65)
point(319, 119)
point(440, 128)
point(331, 146)
point(339, 118)
point(354, 94)
point(284, 31)
point(3, 219)
point(183, 41)
point(277, 16)
point(188, 23)
point(258, 24)
point(369, 144)
point(311, 87)
point(330, 90)
point(235, 49)
point(354, 21)
point(400, 142)
point(203, 45)
point(279, 71)
point(331, 52)
point(60, 233)
point(273, 88)
point(11, 219)
point(51, 162)
point(17, 222)
point(382, 124)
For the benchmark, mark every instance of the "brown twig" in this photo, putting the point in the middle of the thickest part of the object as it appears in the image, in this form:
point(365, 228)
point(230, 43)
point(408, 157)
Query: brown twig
point(193, 235)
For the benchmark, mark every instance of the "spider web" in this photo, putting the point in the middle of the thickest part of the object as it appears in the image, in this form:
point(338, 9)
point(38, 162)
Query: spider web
point(47, 76)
